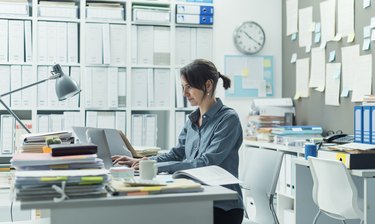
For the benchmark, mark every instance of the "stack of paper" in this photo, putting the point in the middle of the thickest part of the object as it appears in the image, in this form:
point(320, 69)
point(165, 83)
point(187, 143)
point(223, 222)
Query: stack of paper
point(34, 143)
point(60, 185)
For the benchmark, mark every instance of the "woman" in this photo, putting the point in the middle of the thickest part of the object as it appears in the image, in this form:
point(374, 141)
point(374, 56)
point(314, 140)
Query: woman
point(211, 136)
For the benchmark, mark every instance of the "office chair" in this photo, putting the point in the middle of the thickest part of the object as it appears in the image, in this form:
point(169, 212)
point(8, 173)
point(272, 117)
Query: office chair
point(334, 191)
point(260, 176)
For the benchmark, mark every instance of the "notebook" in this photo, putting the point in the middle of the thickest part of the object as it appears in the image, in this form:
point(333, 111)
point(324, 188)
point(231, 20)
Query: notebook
point(109, 142)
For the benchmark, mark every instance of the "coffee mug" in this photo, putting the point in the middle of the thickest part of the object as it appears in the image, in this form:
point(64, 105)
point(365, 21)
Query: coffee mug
point(147, 169)
point(310, 150)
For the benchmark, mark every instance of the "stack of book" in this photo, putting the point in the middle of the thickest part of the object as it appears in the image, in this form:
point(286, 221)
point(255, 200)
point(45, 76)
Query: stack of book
point(266, 114)
point(194, 14)
point(289, 135)
point(34, 143)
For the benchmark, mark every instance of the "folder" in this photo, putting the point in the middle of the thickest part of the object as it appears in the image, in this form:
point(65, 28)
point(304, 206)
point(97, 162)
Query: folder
point(150, 130)
point(139, 87)
point(7, 133)
point(51, 42)
point(204, 43)
point(195, 9)
point(106, 119)
point(16, 82)
point(5, 82)
point(42, 40)
point(42, 87)
point(99, 87)
point(121, 87)
point(72, 43)
point(43, 123)
point(358, 124)
point(106, 44)
point(91, 119)
point(94, 43)
point(120, 117)
point(162, 55)
point(28, 42)
point(183, 43)
point(372, 124)
point(3, 40)
point(162, 85)
point(75, 73)
point(145, 45)
point(134, 46)
point(61, 53)
point(367, 127)
point(179, 91)
point(113, 90)
point(118, 44)
point(137, 129)
point(16, 41)
point(27, 79)
point(194, 19)
point(151, 88)
point(88, 86)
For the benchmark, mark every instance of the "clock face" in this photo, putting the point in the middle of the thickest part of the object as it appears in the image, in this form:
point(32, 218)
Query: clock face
point(249, 37)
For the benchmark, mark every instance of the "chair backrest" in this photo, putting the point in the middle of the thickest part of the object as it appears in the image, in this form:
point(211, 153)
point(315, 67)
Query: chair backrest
point(260, 176)
point(334, 191)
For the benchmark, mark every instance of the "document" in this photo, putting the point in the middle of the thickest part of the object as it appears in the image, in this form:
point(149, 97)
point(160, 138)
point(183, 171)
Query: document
point(349, 58)
point(209, 175)
point(333, 77)
point(317, 76)
point(327, 17)
point(345, 17)
point(302, 77)
point(304, 27)
point(363, 78)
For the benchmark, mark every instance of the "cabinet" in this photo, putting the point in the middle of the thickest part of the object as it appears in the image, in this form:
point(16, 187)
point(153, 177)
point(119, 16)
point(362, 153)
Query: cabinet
point(286, 189)
point(125, 55)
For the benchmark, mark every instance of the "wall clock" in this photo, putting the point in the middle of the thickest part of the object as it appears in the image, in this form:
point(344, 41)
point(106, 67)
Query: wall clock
point(249, 37)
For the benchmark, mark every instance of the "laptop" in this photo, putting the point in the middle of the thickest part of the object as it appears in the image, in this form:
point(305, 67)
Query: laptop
point(109, 142)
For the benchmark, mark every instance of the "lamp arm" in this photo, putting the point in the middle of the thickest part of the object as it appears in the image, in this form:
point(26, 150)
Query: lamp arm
point(15, 116)
point(30, 85)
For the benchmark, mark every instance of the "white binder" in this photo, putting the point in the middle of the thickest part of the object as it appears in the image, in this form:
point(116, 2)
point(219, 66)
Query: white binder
point(16, 41)
point(3, 40)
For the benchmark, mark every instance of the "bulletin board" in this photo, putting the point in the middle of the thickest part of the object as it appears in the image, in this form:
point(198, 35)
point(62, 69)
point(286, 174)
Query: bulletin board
point(251, 76)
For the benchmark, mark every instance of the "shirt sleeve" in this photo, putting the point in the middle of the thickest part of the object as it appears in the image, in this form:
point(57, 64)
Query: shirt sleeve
point(226, 138)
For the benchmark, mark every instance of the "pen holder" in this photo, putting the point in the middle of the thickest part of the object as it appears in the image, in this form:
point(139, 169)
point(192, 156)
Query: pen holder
point(310, 150)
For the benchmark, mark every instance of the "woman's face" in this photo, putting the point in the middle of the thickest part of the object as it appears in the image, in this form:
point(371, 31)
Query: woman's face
point(193, 95)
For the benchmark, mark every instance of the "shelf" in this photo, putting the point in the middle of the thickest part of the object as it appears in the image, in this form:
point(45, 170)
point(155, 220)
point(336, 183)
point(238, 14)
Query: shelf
point(150, 24)
point(151, 66)
point(16, 17)
point(58, 19)
point(106, 21)
point(106, 65)
point(16, 63)
point(285, 195)
point(194, 25)
point(165, 109)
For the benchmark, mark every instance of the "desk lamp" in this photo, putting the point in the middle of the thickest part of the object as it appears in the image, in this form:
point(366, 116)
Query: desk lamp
point(65, 89)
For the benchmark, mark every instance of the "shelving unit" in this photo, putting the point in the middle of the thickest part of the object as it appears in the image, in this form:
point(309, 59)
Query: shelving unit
point(166, 114)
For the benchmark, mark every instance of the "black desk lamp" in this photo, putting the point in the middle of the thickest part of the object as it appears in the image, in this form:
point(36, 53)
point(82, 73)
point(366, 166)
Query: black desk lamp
point(65, 89)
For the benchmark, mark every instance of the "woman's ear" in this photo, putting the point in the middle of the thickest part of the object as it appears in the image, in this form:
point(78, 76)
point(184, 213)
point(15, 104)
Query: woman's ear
point(209, 85)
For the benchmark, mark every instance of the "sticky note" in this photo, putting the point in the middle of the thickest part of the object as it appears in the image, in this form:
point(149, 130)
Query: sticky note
point(372, 35)
point(245, 72)
point(366, 44)
point(323, 44)
point(297, 96)
point(337, 37)
point(366, 31)
point(366, 3)
point(294, 58)
point(344, 93)
point(294, 36)
point(317, 38)
point(312, 27)
point(341, 156)
point(337, 74)
point(308, 49)
point(332, 56)
point(52, 179)
point(372, 24)
point(317, 27)
point(266, 63)
point(351, 37)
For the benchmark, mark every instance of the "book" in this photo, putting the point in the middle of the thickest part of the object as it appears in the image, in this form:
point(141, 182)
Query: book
point(208, 175)
point(73, 149)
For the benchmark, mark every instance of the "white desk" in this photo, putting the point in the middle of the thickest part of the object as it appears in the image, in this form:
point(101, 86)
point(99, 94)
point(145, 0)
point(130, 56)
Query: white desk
point(182, 208)
point(304, 207)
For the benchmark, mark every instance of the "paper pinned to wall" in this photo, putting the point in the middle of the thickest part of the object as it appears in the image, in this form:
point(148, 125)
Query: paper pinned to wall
point(317, 76)
point(333, 74)
point(345, 17)
point(304, 26)
point(349, 56)
point(327, 17)
point(291, 17)
point(363, 78)
point(302, 77)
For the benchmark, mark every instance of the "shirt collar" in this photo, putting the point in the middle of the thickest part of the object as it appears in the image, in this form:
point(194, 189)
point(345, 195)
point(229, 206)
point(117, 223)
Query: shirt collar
point(194, 116)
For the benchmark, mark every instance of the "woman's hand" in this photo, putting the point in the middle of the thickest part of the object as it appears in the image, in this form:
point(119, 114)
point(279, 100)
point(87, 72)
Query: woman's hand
point(124, 160)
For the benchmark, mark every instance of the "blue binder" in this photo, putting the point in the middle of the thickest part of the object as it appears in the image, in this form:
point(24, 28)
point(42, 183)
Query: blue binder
point(372, 125)
point(367, 124)
point(358, 124)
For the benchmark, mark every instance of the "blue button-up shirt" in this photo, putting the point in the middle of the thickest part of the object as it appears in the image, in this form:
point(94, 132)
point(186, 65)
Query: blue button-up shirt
point(216, 142)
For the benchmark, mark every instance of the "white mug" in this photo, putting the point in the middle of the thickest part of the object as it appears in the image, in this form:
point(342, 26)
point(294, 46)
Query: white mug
point(147, 169)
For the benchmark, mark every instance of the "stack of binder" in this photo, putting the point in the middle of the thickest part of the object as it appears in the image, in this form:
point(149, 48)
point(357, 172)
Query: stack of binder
point(151, 14)
point(194, 14)
point(292, 135)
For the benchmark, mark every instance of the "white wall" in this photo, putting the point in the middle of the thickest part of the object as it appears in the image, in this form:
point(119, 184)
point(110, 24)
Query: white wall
point(228, 15)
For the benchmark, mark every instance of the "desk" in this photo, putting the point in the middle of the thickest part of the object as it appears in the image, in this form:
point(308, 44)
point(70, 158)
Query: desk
point(301, 201)
point(182, 208)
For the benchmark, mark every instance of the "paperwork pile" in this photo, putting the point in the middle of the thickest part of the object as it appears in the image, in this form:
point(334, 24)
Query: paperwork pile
point(266, 114)
point(289, 135)
point(34, 143)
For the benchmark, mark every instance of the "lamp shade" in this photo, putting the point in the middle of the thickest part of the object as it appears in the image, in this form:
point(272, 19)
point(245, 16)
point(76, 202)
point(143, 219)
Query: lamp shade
point(66, 87)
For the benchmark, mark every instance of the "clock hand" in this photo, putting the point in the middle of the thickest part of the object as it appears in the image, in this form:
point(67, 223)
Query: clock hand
point(252, 38)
